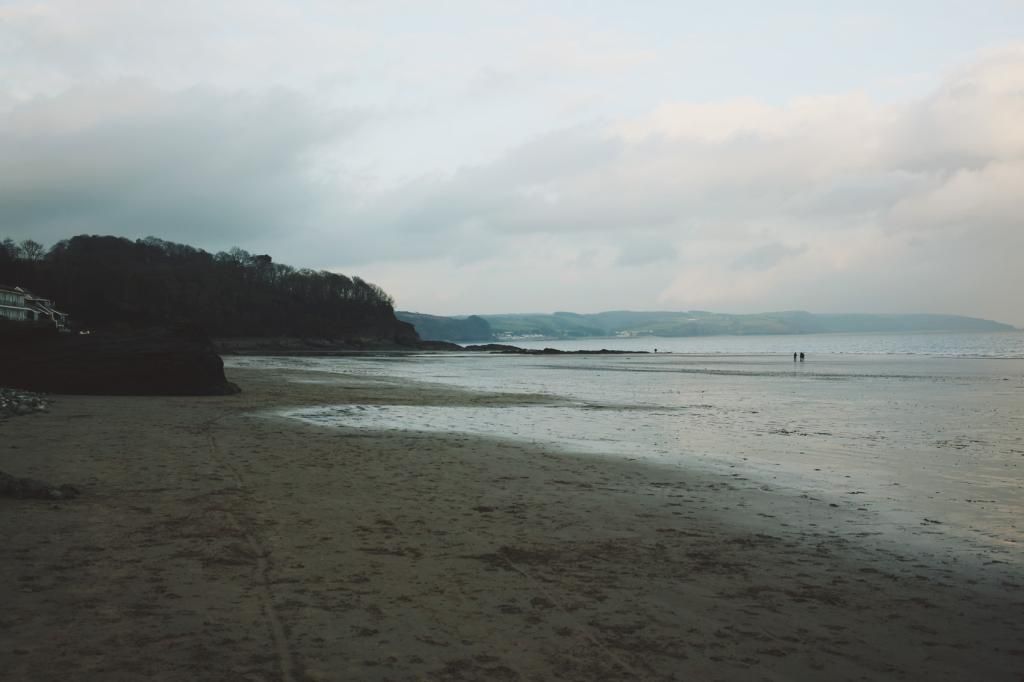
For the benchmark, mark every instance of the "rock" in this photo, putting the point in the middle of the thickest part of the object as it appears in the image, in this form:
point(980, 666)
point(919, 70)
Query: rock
point(64, 492)
point(14, 402)
point(22, 488)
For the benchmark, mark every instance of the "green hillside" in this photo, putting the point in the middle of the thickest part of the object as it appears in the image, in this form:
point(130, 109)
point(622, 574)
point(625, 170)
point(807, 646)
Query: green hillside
point(436, 328)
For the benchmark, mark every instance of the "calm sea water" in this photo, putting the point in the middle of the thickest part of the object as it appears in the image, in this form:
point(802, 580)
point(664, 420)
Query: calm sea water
point(916, 439)
point(941, 344)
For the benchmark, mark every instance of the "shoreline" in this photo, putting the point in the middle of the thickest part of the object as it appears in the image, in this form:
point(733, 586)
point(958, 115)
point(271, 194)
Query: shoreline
point(213, 542)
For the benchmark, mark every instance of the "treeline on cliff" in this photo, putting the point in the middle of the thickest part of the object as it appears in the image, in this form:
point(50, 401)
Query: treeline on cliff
point(108, 282)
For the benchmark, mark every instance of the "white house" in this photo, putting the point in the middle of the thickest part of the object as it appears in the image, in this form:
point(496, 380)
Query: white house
point(12, 304)
point(20, 305)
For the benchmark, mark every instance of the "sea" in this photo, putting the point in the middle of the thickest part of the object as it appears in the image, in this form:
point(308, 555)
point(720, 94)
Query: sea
point(936, 344)
point(917, 430)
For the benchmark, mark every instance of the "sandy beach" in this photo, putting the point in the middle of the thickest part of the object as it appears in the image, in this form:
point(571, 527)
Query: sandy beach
point(216, 541)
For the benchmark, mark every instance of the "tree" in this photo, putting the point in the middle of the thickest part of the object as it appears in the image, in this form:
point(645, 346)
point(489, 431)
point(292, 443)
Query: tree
point(8, 250)
point(32, 250)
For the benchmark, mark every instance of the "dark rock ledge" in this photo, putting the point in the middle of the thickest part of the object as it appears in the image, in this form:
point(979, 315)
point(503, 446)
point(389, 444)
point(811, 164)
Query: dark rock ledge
point(150, 363)
point(504, 348)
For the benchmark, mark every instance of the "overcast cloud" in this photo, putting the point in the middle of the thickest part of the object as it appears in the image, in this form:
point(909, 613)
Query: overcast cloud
point(513, 157)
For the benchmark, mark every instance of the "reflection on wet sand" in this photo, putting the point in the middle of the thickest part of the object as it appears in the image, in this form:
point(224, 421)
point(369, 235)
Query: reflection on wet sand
point(905, 438)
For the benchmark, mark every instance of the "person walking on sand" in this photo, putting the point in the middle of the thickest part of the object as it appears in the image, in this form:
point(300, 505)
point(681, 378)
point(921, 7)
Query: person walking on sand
point(794, 357)
point(801, 357)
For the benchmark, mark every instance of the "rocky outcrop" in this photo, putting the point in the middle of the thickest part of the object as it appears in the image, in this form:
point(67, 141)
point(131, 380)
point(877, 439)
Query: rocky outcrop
point(383, 334)
point(137, 364)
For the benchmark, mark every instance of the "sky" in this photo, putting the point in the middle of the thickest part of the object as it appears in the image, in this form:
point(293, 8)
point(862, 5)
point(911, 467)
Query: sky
point(495, 156)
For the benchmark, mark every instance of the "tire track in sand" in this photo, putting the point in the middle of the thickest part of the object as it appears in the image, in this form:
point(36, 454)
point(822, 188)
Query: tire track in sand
point(282, 648)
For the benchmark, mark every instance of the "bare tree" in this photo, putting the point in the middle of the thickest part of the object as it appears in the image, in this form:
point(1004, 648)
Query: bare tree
point(31, 250)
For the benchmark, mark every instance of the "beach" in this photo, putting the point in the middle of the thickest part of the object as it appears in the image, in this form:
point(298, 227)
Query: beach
point(216, 539)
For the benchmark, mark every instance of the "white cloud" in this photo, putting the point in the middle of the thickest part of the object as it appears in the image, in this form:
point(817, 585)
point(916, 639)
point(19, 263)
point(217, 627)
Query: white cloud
point(826, 186)
point(978, 200)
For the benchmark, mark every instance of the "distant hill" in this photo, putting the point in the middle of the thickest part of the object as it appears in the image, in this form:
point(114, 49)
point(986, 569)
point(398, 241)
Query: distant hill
point(435, 328)
point(564, 325)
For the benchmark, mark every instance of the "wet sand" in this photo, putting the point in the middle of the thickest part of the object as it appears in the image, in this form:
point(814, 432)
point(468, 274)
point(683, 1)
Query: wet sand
point(215, 541)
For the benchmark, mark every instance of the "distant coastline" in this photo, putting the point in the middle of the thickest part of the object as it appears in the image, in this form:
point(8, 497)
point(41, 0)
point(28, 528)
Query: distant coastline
point(515, 328)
